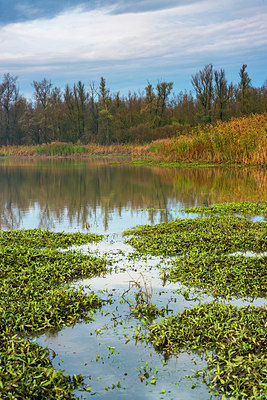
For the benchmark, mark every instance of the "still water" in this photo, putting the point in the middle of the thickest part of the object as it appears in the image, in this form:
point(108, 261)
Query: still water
point(106, 197)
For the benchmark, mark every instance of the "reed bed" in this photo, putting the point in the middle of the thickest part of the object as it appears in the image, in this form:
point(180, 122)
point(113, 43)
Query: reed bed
point(241, 140)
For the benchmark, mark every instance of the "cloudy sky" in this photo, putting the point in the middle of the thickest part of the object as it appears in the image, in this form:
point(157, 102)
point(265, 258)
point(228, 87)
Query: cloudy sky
point(131, 41)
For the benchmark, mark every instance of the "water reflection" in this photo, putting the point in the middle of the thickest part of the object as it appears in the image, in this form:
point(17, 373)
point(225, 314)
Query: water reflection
point(108, 197)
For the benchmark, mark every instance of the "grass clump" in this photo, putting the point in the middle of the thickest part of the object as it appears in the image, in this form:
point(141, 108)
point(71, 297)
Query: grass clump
point(245, 207)
point(35, 295)
point(236, 337)
point(217, 234)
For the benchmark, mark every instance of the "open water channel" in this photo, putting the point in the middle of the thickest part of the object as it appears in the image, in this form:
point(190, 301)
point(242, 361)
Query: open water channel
point(105, 197)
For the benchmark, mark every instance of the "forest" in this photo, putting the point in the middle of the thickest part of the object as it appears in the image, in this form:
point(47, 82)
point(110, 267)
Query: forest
point(92, 114)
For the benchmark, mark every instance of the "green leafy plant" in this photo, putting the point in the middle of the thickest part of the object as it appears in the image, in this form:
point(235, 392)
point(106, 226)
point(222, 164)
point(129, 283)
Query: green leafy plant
point(35, 295)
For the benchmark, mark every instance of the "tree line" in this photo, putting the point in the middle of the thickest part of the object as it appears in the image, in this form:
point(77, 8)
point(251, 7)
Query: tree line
point(81, 114)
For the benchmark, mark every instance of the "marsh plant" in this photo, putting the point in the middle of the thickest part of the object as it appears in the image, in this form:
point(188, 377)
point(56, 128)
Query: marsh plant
point(233, 339)
point(35, 295)
point(142, 303)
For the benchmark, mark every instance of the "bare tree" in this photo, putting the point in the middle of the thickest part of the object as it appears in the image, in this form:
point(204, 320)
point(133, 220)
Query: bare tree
point(42, 91)
point(202, 82)
point(9, 96)
point(220, 93)
point(244, 86)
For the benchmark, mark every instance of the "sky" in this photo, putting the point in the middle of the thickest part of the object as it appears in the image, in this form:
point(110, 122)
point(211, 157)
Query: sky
point(130, 42)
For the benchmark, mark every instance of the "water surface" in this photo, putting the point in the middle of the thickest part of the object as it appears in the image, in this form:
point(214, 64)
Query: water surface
point(104, 197)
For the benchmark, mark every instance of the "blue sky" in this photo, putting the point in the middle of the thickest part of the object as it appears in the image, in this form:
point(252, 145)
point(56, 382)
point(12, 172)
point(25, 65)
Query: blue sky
point(131, 41)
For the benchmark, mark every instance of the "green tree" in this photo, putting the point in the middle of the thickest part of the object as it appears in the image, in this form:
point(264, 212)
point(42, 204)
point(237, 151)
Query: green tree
point(163, 92)
point(93, 112)
point(80, 98)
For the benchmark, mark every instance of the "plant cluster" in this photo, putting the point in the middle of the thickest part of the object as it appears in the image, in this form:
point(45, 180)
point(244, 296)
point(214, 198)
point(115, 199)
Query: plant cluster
point(216, 234)
point(221, 274)
point(233, 339)
point(35, 294)
point(236, 338)
point(241, 140)
point(244, 207)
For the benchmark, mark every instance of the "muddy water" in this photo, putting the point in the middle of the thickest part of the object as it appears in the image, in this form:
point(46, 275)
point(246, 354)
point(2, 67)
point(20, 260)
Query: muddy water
point(106, 198)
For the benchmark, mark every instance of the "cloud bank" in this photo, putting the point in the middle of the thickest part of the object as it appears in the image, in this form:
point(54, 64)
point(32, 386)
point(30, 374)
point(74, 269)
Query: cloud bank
point(132, 33)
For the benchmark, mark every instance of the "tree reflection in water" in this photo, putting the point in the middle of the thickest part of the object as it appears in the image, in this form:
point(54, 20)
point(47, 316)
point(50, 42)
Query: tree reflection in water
point(94, 193)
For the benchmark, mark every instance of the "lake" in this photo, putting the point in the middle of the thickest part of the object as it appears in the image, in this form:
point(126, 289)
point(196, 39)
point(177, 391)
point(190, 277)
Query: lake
point(107, 197)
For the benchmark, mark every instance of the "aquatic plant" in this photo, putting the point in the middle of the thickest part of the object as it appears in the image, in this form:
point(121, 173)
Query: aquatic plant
point(142, 304)
point(221, 274)
point(37, 238)
point(217, 234)
point(236, 338)
point(35, 294)
point(245, 207)
point(233, 339)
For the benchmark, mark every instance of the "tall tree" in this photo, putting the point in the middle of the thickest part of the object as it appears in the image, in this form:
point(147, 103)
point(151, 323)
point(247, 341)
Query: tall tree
point(9, 96)
point(93, 112)
point(244, 86)
point(221, 94)
point(80, 97)
point(202, 82)
point(42, 93)
point(163, 92)
point(105, 116)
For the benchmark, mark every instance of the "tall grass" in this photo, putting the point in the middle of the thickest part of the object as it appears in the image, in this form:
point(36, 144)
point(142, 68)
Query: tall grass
point(241, 140)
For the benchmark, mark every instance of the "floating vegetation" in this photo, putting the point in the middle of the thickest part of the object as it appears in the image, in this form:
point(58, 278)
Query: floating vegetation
point(221, 274)
point(244, 207)
point(236, 337)
point(215, 234)
point(37, 238)
point(35, 294)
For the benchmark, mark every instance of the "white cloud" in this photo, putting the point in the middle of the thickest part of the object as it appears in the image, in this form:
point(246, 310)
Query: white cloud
point(170, 35)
